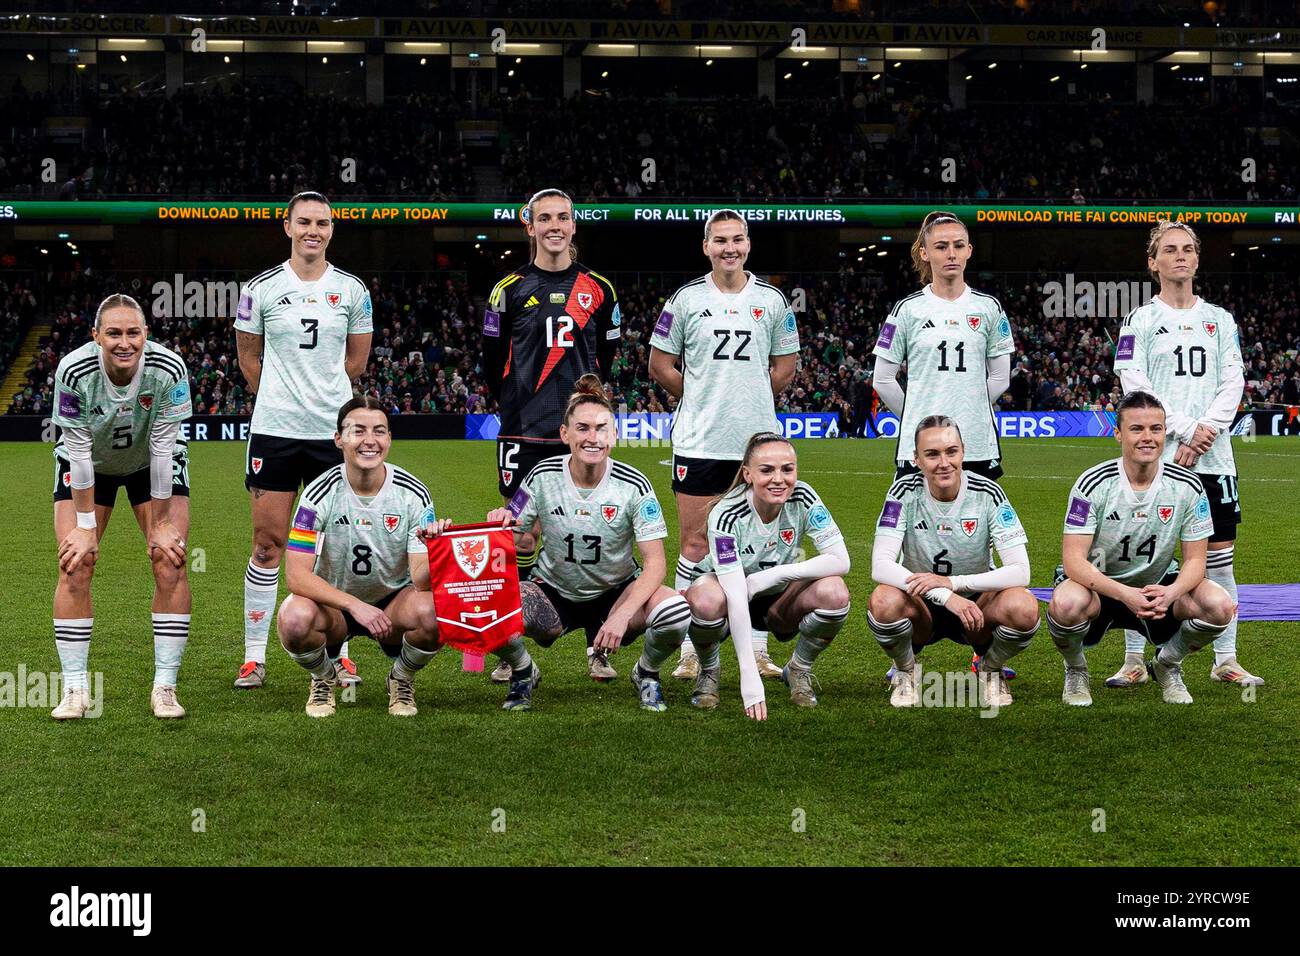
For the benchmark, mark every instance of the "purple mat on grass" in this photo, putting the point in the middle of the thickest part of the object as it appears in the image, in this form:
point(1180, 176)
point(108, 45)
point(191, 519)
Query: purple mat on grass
point(1258, 602)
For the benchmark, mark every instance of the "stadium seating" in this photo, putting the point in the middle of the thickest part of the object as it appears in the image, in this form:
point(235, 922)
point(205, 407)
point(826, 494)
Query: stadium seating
point(424, 357)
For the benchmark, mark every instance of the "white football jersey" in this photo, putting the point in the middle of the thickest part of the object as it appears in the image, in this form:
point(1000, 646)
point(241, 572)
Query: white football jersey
point(587, 533)
point(740, 540)
point(947, 347)
point(950, 537)
point(1185, 353)
point(725, 340)
point(361, 547)
point(304, 328)
point(1135, 533)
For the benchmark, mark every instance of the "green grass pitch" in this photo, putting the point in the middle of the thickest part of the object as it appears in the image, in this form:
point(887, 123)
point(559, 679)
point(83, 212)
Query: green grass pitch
point(589, 778)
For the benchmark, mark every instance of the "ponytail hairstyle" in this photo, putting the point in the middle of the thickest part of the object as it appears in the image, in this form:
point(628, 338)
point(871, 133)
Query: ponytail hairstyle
point(1163, 226)
point(120, 300)
point(937, 218)
point(587, 390)
point(755, 442)
point(527, 215)
point(724, 215)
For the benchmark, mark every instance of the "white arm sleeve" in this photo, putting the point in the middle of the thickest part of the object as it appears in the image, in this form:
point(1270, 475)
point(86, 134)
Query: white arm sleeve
point(162, 445)
point(999, 377)
point(885, 568)
point(1181, 426)
point(833, 561)
point(1224, 407)
point(1014, 573)
point(742, 636)
point(885, 381)
point(78, 443)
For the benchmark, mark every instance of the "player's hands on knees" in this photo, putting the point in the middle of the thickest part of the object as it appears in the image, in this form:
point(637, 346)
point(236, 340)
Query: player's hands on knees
point(164, 538)
point(431, 531)
point(757, 711)
point(612, 631)
point(1186, 456)
point(967, 611)
point(373, 620)
point(919, 585)
point(1159, 597)
point(75, 547)
point(503, 515)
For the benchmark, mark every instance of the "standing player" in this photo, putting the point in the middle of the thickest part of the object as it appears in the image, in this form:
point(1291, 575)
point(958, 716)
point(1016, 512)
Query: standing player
point(546, 325)
point(358, 565)
point(1125, 519)
point(945, 522)
point(737, 341)
point(119, 400)
point(590, 509)
point(750, 577)
point(957, 344)
point(1187, 353)
point(303, 333)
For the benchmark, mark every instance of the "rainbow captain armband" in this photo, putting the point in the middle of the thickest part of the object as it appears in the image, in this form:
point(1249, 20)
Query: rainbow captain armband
point(302, 539)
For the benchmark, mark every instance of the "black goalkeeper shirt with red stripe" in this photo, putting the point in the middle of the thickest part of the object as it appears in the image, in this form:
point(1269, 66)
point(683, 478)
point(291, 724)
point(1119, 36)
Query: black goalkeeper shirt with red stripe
point(542, 331)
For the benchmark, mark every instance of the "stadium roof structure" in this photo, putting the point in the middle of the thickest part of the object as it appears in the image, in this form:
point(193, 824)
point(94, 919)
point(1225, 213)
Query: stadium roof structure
point(778, 34)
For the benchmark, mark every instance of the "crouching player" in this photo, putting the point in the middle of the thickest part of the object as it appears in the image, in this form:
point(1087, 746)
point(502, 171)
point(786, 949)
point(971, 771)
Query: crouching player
point(591, 509)
point(119, 400)
point(945, 522)
point(751, 579)
point(1128, 515)
point(358, 564)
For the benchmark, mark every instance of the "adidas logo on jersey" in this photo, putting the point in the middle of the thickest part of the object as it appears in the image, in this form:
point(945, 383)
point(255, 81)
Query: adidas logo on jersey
point(1113, 516)
point(532, 301)
point(284, 300)
point(748, 550)
point(706, 314)
point(343, 519)
point(558, 511)
point(928, 325)
point(921, 526)
point(97, 410)
point(1162, 331)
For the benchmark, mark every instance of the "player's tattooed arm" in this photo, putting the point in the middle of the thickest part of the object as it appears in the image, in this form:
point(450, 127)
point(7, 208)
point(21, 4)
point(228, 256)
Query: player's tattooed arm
point(540, 618)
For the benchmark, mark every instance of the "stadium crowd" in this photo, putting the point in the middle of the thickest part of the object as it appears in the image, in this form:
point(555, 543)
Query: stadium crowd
point(211, 142)
point(216, 142)
point(425, 348)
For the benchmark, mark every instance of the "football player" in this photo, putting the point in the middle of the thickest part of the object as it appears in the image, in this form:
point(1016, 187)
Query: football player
point(945, 521)
point(119, 401)
point(592, 509)
point(303, 334)
point(755, 575)
point(546, 325)
point(358, 565)
point(1125, 519)
point(737, 342)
